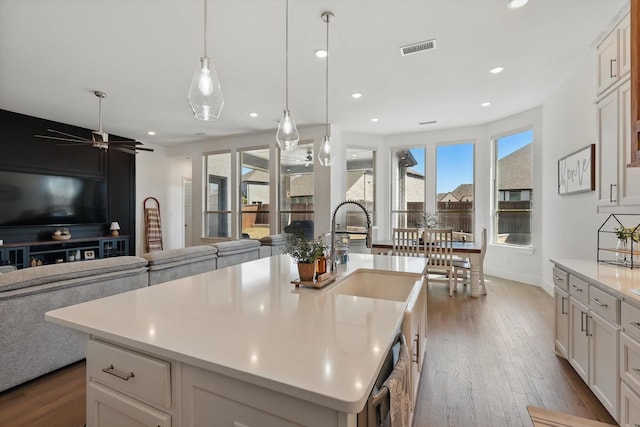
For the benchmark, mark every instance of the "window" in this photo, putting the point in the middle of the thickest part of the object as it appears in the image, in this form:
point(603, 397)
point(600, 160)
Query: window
point(296, 190)
point(455, 188)
point(407, 187)
point(217, 195)
point(514, 189)
point(254, 193)
point(360, 185)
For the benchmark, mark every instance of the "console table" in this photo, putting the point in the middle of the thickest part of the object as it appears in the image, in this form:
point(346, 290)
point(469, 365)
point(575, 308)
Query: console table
point(55, 251)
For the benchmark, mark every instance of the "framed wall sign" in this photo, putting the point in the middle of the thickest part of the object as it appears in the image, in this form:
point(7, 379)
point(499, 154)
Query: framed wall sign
point(89, 255)
point(576, 172)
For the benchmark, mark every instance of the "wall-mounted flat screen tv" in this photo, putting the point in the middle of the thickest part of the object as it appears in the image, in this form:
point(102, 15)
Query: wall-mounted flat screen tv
point(29, 199)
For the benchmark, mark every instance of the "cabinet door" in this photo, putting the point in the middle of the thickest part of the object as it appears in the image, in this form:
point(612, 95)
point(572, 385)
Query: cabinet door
point(608, 66)
point(108, 408)
point(630, 407)
point(578, 339)
point(624, 46)
point(561, 322)
point(607, 121)
point(628, 177)
point(604, 373)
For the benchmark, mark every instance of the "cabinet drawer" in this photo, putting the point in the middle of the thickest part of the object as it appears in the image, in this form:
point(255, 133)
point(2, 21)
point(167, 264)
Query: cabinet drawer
point(629, 407)
point(630, 320)
point(630, 362)
point(138, 375)
point(604, 304)
point(561, 278)
point(110, 408)
point(579, 289)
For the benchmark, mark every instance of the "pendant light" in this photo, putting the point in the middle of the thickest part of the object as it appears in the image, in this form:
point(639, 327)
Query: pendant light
point(287, 136)
point(205, 96)
point(325, 156)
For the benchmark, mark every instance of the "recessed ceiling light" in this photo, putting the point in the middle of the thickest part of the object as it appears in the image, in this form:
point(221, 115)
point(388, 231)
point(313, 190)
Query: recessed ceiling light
point(151, 133)
point(374, 120)
point(514, 4)
point(356, 95)
point(321, 53)
point(496, 70)
point(253, 114)
point(485, 104)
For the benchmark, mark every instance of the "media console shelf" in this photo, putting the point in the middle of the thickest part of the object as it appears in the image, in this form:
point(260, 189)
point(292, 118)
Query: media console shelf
point(51, 252)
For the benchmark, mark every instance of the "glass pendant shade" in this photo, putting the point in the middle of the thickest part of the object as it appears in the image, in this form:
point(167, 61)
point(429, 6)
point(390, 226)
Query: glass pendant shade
point(205, 95)
point(287, 136)
point(325, 156)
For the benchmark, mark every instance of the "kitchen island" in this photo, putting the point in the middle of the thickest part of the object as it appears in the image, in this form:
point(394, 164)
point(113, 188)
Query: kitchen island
point(240, 346)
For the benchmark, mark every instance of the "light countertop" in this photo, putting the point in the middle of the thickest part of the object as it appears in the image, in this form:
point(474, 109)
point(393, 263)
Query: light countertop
point(618, 279)
point(250, 323)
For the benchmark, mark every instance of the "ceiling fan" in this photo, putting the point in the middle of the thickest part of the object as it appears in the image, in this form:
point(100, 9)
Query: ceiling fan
point(99, 138)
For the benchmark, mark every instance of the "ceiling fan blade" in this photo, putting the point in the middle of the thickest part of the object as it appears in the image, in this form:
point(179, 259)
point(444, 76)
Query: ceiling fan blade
point(126, 142)
point(79, 138)
point(75, 144)
point(124, 150)
point(142, 149)
point(57, 138)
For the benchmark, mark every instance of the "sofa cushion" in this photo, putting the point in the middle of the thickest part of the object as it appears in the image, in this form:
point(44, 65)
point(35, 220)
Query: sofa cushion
point(233, 247)
point(45, 274)
point(275, 239)
point(180, 255)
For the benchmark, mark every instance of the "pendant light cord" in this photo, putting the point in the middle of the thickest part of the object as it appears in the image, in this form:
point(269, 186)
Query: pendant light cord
point(327, 82)
point(286, 58)
point(205, 29)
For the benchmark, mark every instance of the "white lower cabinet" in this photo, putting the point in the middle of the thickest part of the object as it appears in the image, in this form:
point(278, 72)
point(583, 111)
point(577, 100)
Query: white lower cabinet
point(578, 339)
point(629, 408)
point(126, 388)
point(587, 334)
point(561, 322)
point(604, 372)
point(108, 408)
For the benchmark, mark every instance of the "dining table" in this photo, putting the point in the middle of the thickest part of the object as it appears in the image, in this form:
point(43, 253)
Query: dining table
point(469, 250)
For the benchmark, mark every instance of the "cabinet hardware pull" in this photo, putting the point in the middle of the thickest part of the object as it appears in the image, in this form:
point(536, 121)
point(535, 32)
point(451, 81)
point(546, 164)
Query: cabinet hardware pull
point(598, 302)
point(636, 324)
point(558, 278)
point(582, 316)
point(113, 371)
point(417, 341)
point(611, 74)
point(611, 193)
point(562, 308)
point(576, 288)
point(587, 329)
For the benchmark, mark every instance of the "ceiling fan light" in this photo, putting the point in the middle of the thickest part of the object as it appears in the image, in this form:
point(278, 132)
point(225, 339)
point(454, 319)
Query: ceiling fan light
point(205, 95)
point(287, 136)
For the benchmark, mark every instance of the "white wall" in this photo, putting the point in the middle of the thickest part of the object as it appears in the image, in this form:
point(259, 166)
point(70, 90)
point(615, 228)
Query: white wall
point(159, 175)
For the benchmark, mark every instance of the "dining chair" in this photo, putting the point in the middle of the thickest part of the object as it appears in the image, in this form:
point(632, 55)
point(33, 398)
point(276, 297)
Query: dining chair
point(406, 242)
point(438, 249)
point(463, 265)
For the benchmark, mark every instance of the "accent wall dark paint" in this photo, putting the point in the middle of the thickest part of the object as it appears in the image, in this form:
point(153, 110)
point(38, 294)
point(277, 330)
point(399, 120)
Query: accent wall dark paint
point(20, 151)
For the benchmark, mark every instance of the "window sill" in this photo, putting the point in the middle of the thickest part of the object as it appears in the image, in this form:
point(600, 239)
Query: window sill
point(523, 250)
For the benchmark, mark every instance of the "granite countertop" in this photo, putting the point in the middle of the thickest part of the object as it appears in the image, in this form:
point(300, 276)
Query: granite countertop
point(620, 280)
point(250, 323)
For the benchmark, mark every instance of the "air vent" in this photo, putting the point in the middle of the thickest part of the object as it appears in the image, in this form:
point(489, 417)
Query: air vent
point(410, 49)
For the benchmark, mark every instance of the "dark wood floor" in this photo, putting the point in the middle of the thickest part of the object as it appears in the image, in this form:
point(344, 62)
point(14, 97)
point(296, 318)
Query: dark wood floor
point(487, 359)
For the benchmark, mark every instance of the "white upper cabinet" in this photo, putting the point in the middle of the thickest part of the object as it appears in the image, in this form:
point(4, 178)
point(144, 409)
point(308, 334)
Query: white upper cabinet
point(614, 55)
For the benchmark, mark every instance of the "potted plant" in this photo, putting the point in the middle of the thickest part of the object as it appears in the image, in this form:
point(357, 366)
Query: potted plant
point(305, 253)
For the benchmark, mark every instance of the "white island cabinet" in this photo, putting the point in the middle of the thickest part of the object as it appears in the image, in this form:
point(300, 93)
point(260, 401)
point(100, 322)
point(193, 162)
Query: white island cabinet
point(242, 347)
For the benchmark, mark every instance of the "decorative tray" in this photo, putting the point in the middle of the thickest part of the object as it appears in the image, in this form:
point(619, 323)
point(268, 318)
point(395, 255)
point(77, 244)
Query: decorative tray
point(315, 284)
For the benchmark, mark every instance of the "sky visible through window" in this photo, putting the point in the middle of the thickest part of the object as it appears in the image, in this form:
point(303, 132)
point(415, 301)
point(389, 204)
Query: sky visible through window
point(455, 162)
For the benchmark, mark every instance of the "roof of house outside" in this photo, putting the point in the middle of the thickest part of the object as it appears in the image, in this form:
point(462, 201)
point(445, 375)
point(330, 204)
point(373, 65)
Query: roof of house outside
point(512, 170)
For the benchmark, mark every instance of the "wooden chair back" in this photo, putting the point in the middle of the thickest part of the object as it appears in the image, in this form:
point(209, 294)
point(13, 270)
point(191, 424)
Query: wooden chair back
point(406, 242)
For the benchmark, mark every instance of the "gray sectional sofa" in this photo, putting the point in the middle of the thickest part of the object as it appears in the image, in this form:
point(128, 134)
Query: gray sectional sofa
point(30, 346)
